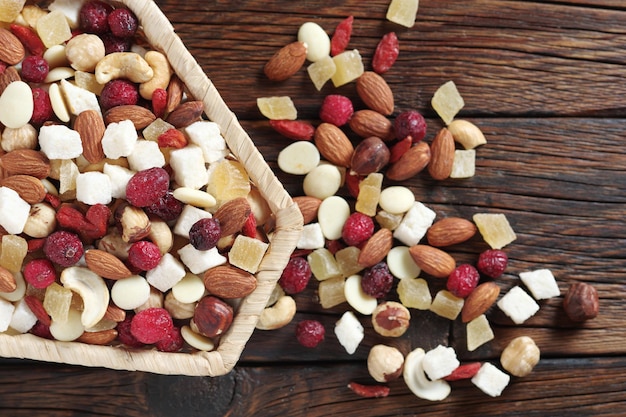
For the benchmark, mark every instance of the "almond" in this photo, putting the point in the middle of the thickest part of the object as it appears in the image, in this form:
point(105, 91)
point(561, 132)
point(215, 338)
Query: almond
point(115, 313)
point(7, 280)
point(106, 264)
point(432, 261)
point(140, 116)
point(376, 248)
point(333, 144)
point(410, 163)
point(450, 231)
point(29, 188)
point(286, 61)
point(27, 162)
point(479, 301)
point(175, 91)
point(102, 337)
point(226, 281)
point(7, 77)
point(232, 215)
point(375, 92)
point(90, 126)
point(366, 123)
point(308, 207)
point(186, 113)
point(12, 50)
point(442, 155)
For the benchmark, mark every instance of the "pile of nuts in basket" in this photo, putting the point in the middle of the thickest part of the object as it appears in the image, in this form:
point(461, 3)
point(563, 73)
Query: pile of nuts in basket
point(363, 236)
point(124, 218)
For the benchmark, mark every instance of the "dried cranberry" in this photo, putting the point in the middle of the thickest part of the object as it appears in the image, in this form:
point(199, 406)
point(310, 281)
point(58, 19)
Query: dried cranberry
point(124, 334)
point(123, 23)
point(113, 43)
point(41, 330)
point(40, 273)
point(310, 333)
point(377, 280)
point(42, 107)
point(144, 255)
point(63, 248)
point(146, 187)
point(34, 69)
point(336, 109)
point(118, 92)
point(492, 263)
point(173, 342)
point(410, 123)
point(295, 276)
point(151, 325)
point(93, 17)
point(205, 233)
point(357, 229)
point(167, 207)
point(462, 281)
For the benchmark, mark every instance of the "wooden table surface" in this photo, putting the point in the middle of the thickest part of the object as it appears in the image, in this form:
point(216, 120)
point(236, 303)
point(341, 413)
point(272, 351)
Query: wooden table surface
point(545, 83)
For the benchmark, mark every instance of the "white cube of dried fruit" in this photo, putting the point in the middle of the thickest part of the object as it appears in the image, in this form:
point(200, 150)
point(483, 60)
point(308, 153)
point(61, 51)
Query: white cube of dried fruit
point(93, 188)
point(187, 218)
point(145, 154)
point(166, 274)
point(78, 99)
point(119, 177)
point(60, 142)
point(14, 211)
point(189, 167)
point(207, 136)
point(119, 139)
point(198, 261)
point(23, 319)
point(6, 314)
point(518, 305)
point(349, 332)
point(414, 224)
point(478, 332)
point(491, 380)
point(311, 237)
point(440, 362)
point(541, 283)
point(464, 164)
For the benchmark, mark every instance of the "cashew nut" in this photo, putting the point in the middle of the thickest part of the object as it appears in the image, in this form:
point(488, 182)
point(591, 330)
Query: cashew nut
point(162, 74)
point(279, 315)
point(84, 52)
point(91, 288)
point(123, 65)
point(418, 383)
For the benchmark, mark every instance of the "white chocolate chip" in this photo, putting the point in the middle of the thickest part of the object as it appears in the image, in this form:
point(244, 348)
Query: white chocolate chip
point(299, 158)
point(357, 298)
point(16, 105)
point(401, 264)
point(130, 293)
point(396, 199)
point(316, 40)
point(332, 214)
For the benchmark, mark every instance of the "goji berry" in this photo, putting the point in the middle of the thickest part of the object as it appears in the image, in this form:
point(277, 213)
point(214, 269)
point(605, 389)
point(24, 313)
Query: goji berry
point(294, 129)
point(386, 53)
point(36, 306)
point(41, 330)
point(53, 200)
point(341, 36)
point(98, 217)
point(352, 182)
point(399, 149)
point(31, 41)
point(334, 246)
point(249, 227)
point(70, 218)
point(159, 102)
point(369, 391)
point(172, 138)
point(465, 371)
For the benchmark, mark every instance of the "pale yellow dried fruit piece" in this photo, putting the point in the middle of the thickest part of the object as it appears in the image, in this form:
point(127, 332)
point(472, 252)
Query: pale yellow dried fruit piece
point(495, 229)
point(323, 264)
point(464, 164)
point(331, 292)
point(388, 220)
point(14, 249)
point(31, 14)
point(228, 180)
point(447, 305)
point(87, 81)
point(369, 194)
point(414, 293)
point(447, 102)
point(53, 29)
point(57, 302)
point(348, 260)
point(403, 12)
point(277, 108)
point(10, 9)
point(349, 67)
point(247, 253)
point(478, 332)
point(321, 71)
point(155, 129)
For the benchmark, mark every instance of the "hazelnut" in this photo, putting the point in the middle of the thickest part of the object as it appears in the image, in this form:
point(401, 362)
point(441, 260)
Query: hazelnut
point(178, 310)
point(385, 363)
point(371, 155)
point(212, 316)
point(581, 302)
point(133, 223)
point(520, 356)
point(155, 300)
point(391, 319)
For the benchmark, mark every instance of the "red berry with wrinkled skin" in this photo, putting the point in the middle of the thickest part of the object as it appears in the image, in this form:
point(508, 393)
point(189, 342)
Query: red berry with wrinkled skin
point(173, 342)
point(146, 187)
point(124, 334)
point(34, 69)
point(377, 280)
point(295, 276)
point(123, 23)
point(144, 255)
point(492, 263)
point(410, 123)
point(113, 43)
point(93, 17)
point(357, 229)
point(40, 273)
point(336, 109)
point(205, 233)
point(167, 207)
point(42, 107)
point(41, 330)
point(463, 280)
point(63, 248)
point(151, 325)
point(119, 92)
point(310, 333)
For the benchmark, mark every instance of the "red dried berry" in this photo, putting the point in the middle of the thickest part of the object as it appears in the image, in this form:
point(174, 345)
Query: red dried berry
point(97, 218)
point(53, 200)
point(114, 44)
point(40, 273)
point(151, 325)
point(294, 129)
point(31, 41)
point(34, 69)
point(399, 149)
point(167, 207)
point(144, 255)
point(492, 263)
point(124, 334)
point(123, 23)
point(357, 229)
point(159, 102)
point(369, 391)
point(295, 276)
point(410, 123)
point(172, 138)
point(465, 371)
point(35, 244)
point(377, 280)
point(352, 183)
point(334, 245)
point(42, 107)
point(310, 333)
point(249, 227)
point(462, 281)
point(63, 248)
point(41, 330)
point(341, 36)
point(93, 17)
point(173, 342)
point(336, 109)
point(205, 233)
point(146, 187)
point(119, 92)
point(386, 53)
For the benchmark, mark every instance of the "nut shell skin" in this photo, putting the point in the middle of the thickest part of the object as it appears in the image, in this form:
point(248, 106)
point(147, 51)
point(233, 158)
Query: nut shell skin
point(581, 302)
point(391, 319)
point(212, 316)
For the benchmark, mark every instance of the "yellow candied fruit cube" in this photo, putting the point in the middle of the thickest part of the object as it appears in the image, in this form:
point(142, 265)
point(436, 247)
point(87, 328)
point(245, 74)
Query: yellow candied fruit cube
point(349, 67)
point(369, 194)
point(14, 249)
point(247, 253)
point(447, 305)
point(31, 14)
point(53, 28)
point(414, 293)
point(321, 71)
point(87, 81)
point(228, 180)
point(447, 102)
point(155, 129)
point(348, 261)
point(403, 12)
point(495, 229)
point(331, 292)
point(10, 9)
point(57, 302)
point(464, 164)
point(478, 332)
point(323, 264)
point(277, 108)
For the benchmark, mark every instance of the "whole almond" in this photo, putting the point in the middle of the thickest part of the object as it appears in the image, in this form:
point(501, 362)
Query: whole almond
point(232, 215)
point(7, 280)
point(450, 231)
point(102, 337)
point(226, 281)
point(479, 301)
point(12, 50)
point(286, 61)
point(410, 163)
point(29, 188)
point(90, 126)
point(140, 116)
point(27, 162)
point(308, 207)
point(376, 248)
point(333, 144)
point(186, 113)
point(432, 261)
point(366, 123)
point(175, 91)
point(106, 264)
point(7, 77)
point(375, 92)
point(115, 313)
point(442, 155)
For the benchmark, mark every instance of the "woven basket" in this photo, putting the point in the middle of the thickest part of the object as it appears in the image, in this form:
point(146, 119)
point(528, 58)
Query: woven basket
point(160, 34)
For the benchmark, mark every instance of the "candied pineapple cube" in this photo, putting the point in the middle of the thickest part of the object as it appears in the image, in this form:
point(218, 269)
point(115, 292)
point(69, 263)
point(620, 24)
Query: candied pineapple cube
point(53, 29)
point(68, 172)
point(228, 180)
point(464, 164)
point(87, 81)
point(331, 292)
point(321, 71)
point(369, 194)
point(155, 129)
point(495, 229)
point(348, 261)
point(414, 293)
point(447, 102)
point(447, 305)
point(389, 220)
point(478, 332)
point(10, 9)
point(57, 302)
point(403, 12)
point(31, 13)
point(323, 264)
point(247, 253)
point(14, 249)
point(349, 67)
point(277, 108)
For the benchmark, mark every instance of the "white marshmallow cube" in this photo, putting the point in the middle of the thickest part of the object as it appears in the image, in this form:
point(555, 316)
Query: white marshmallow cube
point(119, 139)
point(188, 217)
point(60, 142)
point(189, 167)
point(414, 224)
point(119, 177)
point(198, 261)
point(541, 283)
point(6, 314)
point(146, 154)
point(440, 362)
point(518, 305)
point(166, 274)
point(93, 188)
point(23, 318)
point(14, 211)
point(311, 237)
point(208, 137)
point(491, 380)
point(349, 332)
